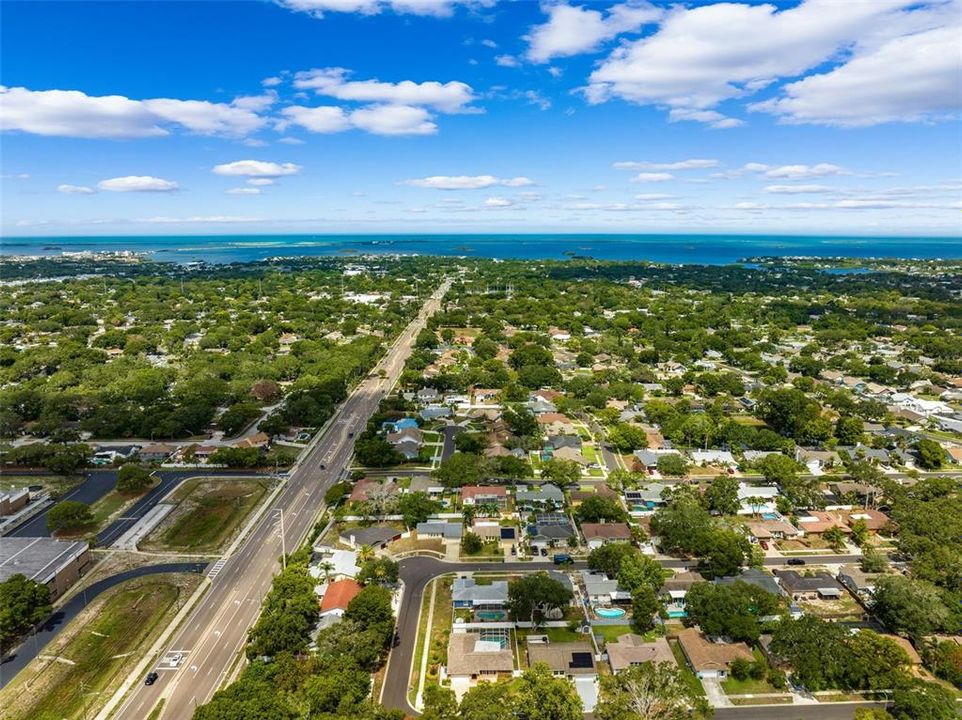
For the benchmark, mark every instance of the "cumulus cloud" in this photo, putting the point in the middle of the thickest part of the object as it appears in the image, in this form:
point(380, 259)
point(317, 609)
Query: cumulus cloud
point(571, 30)
point(435, 8)
point(467, 182)
point(324, 119)
point(260, 181)
point(693, 164)
point(652, 177)
point(509, 61)
point(67, 189)
point(71, 113)
point(907, 79)
point(449, 97)
point(497, 202)
point(137, 183)
point(394, 120)
point(256, 168)
point(244, 191)
point(704, 55)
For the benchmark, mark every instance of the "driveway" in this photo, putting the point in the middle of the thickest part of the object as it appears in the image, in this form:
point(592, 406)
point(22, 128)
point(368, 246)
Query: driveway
point(713, 691)
point(450, 432)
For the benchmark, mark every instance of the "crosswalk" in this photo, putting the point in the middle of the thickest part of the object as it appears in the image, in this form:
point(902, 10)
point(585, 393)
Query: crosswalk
point(216, 568)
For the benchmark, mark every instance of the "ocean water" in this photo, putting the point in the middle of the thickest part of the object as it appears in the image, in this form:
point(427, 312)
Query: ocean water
point(701, 249)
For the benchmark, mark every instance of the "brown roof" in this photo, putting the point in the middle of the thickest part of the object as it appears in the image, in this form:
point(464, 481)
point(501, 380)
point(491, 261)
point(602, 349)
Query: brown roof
point(874, 519)
point(705, 655)
point(914, 657)
point(463, 659)
point(558, 656)
point(633, 650)
point(607, 531)
point(364, 486)
point(471, 491)
point(550, 417)
point(339, 594)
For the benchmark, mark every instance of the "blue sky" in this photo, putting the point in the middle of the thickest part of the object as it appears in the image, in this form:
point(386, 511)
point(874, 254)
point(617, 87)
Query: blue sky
point(320, 116)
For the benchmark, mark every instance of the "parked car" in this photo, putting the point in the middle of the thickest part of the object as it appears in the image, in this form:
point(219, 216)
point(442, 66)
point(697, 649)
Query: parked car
point(763, 544)
point(544, 552)
point(795, 561)
point(151, 678)
point(562, 559)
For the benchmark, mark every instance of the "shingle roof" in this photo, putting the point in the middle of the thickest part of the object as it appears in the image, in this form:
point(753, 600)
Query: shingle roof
point(704, 655)
point(467, 657)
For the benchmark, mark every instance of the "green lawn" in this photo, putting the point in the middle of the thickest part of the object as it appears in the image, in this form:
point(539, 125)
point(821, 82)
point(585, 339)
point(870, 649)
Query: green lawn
point(209, 514)
point(125, 623)
point(611, 633)
point(689, 677)
point(57, 485)
point(731, 686)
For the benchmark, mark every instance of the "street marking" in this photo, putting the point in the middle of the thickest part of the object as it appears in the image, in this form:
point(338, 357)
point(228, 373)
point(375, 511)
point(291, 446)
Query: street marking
point(217, 567)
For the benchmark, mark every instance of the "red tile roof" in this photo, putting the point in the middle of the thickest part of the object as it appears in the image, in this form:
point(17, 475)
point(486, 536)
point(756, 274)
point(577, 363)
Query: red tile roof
point(339, 594)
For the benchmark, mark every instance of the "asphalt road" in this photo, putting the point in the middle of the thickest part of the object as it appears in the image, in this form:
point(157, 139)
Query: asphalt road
point(214, 633)
point(416, 572)
point(34, 645)
point(451, 432)
point(97, 484)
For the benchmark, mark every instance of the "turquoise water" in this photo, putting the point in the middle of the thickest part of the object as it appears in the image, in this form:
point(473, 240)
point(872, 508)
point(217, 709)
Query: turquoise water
point(491, 615)
point(704, 249)
point(609, 612)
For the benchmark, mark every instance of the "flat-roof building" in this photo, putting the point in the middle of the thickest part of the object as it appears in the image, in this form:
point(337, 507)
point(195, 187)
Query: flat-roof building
point(54, 563)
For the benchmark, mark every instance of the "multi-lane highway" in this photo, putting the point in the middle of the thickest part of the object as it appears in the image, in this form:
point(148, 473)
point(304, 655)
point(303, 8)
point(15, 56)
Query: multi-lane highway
point(212, 636)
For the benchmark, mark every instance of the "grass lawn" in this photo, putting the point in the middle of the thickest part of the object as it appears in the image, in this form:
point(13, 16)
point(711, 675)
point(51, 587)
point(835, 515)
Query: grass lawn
point(610, 633)
point(555, 634)
point(419, 647)
point(115, 501)
point(100, 652)
point(208, 514)
point(687, 675)
point(440, 630)
point(731, 686)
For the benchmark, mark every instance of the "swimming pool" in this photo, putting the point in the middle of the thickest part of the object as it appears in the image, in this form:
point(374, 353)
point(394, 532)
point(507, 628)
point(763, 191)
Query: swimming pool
point(491, 615)
point(770, 516)
point(609, 612)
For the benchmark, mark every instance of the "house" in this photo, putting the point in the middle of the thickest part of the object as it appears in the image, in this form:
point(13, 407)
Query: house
point(493, 530)
point(859, 583)
point(816, 522)
point(817, 586)
point(565, 659)
point(338, 596)
point(757, 499)
point(156, 452)
point(600, 589)
point(330, 563)
point(674, 592)
point(438, 529)
point(756, 577)
point(774, 529)
point(598, 534)
point(648, 459)
point(711, 659)
point(427, 395)
point(466, 593)
point(713, 457)
point(753, 456)
point(564, 441)
point(257, 440)
point(407, 441)
point(631, 649)
point(484, 495)
point(483, 395)
point(396, 426)
point(471, 658)
point(572, 455)
point(645, 499)
point(426, 484)
point(374, 536)
point(816, 461)
point(550, 530)
point(435, 412)
point(874, 520)
point(540, 498)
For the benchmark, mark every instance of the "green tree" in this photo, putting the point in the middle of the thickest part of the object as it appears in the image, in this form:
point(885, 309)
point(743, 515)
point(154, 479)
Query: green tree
point(371, 606)
point(921, 700)
point(532, 597)
point(23, 603)
point(471, 543)
point(601, 508)
point(416, 507)
point(541, 696)
point(722, 495)
point(488, 701)
point(439, 704)
point(730, 610)
point(931, 454)
point(637, 570)
point(69, 515)
point(246, 701)
point(462, 469)
point(909, 606)
point(645, 606)
point(608, 558)
point(133, 478)
point(650, 691)
point(380, 570)
point(563, 472)
point(673, 465)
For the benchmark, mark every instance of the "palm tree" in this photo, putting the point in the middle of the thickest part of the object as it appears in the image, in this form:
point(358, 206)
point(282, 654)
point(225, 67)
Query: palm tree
point(366, 553)
point(326, 567)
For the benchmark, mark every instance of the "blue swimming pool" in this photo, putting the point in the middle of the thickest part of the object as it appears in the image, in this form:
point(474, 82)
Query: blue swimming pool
point(770, 516)
point(490, 615)
point(608, 612)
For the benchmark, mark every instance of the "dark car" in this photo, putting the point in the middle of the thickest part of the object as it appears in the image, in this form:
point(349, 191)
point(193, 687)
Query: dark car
point(323, 466)
point(396, 640)
point(151, 678)
point(544, 552)
point(795, 561)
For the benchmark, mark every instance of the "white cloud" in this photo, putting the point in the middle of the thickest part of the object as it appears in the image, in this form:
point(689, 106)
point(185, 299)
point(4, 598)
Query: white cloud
point(797, 189)
point(244, 191)
point(652, 177)
point(497, 202)
point(467, 182)
point(260, 181)
point(795, 172)
point(394, 120)
point(256, 168)
point(137, 183)
point(571, 30)
point(435, 8)
point(75, 189)
point(703, 55)
point(693, 164)
point(750, 206)
point(323, 119)
point(272, 81)
point(71, 113)
point(256, 103)
point(653, 196)
point(449, 97)
point(907, 79)
point(509, 61)
point(291, 141)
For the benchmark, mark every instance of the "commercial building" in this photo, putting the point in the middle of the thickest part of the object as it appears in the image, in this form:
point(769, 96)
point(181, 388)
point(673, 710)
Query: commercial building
point(55, 563)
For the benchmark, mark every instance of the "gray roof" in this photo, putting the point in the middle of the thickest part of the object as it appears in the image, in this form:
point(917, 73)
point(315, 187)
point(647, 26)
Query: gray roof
point(449, 530)
point(467, 590)
point(756, 577)
point(544, 493)
point(39, 559)
point(598, 583)
point(373, 535)
point(821, 580)
point(562, 441)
